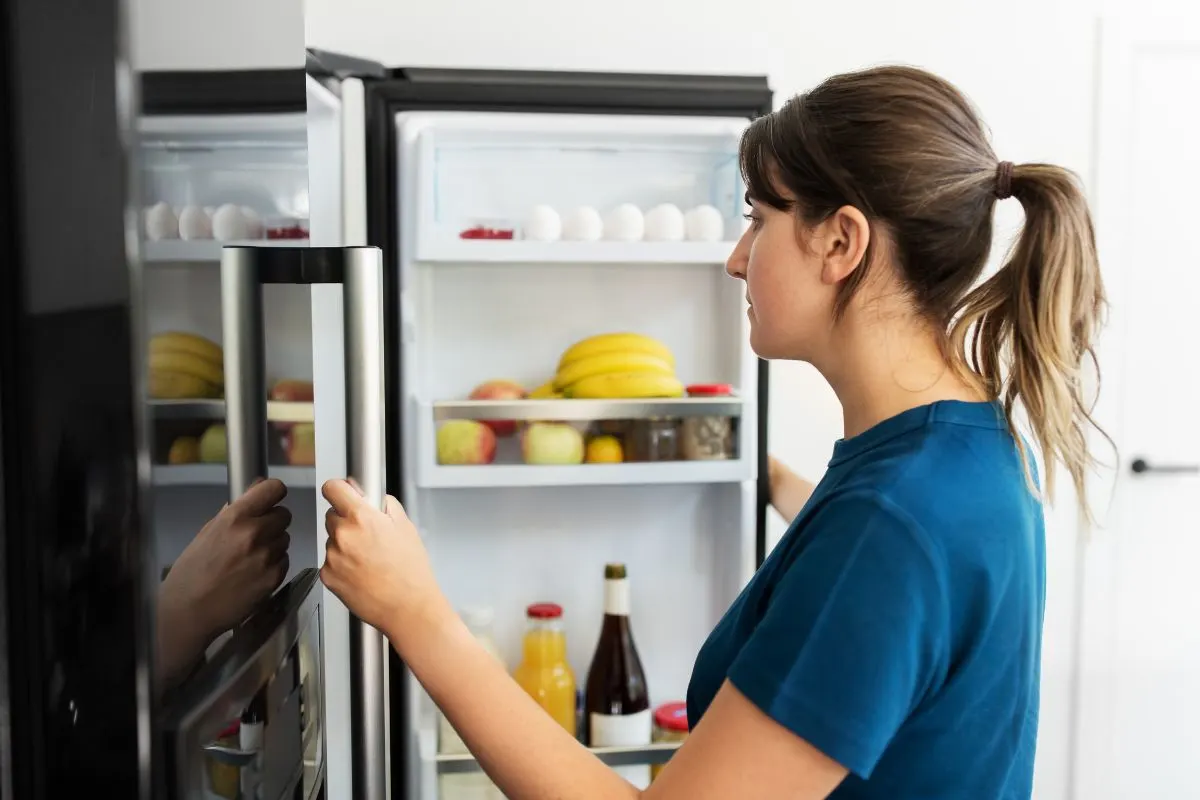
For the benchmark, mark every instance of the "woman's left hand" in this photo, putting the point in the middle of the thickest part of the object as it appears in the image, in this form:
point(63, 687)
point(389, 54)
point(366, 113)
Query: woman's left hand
point(375, 562)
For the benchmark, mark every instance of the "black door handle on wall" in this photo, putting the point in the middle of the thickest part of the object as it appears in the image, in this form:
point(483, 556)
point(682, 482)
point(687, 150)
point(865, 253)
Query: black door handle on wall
point(1141, 466)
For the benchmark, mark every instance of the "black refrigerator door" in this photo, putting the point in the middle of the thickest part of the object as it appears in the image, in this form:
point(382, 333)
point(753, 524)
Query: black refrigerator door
point(76, 615)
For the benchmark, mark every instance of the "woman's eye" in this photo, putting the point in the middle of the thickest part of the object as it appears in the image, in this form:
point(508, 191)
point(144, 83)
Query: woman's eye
point(755, 222)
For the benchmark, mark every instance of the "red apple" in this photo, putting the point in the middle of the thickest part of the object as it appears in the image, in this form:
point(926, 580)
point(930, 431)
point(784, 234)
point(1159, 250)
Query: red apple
point(499, 389)
point(465, 441)
point(290, 391)
point(301, 445)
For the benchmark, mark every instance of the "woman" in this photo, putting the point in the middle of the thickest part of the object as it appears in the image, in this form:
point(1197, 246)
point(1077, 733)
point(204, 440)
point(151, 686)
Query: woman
point(889, 647)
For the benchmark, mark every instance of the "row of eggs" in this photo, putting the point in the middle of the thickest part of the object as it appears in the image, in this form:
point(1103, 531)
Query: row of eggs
point(626, 223)
point(226, 223)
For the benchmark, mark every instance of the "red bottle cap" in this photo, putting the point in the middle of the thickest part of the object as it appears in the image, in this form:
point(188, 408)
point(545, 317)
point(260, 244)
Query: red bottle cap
point(710, 390)
point(672, 717)
point(544, 611)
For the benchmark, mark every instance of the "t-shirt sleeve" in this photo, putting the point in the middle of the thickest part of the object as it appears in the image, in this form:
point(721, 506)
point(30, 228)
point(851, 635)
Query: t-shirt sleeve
point(853, 633)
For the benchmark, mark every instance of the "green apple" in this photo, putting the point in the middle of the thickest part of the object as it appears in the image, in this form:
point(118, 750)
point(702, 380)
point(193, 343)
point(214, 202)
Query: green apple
point(552, 443)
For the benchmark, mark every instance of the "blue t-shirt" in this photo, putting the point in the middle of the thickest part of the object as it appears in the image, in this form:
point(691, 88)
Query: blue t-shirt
point(897, 625)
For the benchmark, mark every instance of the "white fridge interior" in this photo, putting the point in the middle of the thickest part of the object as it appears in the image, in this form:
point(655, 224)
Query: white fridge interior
point(507, 534)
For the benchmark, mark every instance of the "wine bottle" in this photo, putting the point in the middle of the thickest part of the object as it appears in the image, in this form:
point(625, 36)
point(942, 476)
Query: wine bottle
point(616, 698)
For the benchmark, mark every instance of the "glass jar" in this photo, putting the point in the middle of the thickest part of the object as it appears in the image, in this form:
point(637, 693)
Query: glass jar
point(708, 438)
point(544, 673)
point(652, 439)
point(670, 725)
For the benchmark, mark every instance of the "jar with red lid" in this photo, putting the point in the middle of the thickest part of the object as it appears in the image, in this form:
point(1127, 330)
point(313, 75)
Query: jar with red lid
point(709, 437)
point(544, 672)
point(670, 725)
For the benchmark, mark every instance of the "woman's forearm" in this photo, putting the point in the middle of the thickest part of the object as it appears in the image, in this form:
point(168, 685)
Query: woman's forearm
point(522, 749)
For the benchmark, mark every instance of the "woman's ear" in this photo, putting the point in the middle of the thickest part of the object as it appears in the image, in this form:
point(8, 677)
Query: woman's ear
point(841, 242)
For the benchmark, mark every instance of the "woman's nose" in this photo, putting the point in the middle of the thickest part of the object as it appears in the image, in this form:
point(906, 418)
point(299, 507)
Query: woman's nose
point(740, 257)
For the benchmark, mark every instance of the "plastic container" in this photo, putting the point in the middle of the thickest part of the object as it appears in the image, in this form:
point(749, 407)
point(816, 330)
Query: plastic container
point(670, 725)
point(544, 672)
point(652, 439)
point(708, 438)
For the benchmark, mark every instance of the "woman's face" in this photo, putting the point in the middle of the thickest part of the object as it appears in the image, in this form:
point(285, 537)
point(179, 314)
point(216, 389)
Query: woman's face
point(792, 274)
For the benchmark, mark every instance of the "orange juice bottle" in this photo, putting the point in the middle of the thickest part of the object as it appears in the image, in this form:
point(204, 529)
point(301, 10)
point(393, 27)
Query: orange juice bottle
point(544, 672)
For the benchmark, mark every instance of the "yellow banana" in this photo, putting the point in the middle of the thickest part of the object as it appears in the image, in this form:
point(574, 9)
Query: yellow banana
point(621, 361)
point(617, 385)
point(166, 385)
point(545, 392)
point(188, 364)
point(614, 342)
point(181, 342)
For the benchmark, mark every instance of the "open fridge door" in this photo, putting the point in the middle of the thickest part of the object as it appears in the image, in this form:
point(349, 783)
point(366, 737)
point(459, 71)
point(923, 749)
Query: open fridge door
point(354, 657)
point(520, 236)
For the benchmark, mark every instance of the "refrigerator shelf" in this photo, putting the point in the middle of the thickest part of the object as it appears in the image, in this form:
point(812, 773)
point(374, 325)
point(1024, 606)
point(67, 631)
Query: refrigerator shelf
point(658, 753)
point(218, 475)
point(587, 410)
point(277, 411)
point(436, 476)
point(460, 251)
point(203, 251)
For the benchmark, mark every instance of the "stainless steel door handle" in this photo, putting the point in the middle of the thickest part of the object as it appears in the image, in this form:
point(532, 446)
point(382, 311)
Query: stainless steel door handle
point(244, 270)
point(1141, 466)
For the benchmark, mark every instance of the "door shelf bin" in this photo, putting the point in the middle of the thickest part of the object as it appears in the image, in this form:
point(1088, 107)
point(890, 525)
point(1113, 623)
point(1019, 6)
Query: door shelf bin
point(658, 753)
point(218, 475)
point(481, 175)
point(586, 418)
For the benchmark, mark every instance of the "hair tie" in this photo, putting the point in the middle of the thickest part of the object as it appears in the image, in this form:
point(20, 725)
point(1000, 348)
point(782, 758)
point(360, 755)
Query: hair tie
point(1004, 180)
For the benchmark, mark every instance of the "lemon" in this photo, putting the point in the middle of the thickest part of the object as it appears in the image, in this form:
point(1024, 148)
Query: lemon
point(604, 450)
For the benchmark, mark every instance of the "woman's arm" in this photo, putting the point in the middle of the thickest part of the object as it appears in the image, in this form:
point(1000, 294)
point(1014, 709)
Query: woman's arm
point(376, 564)
point(789, 492)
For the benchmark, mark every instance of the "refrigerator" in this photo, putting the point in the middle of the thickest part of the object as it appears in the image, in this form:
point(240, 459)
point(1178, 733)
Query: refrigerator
point(480, 288)
point(75, 604)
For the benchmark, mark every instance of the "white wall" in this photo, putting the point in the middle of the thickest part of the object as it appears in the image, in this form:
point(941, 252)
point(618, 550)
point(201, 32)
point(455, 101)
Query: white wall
point(1030, 68)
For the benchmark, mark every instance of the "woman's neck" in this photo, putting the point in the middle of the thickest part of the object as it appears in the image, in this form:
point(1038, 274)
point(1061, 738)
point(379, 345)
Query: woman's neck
point(882, 366)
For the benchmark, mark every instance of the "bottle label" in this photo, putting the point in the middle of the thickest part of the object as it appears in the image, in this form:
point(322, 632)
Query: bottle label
point(621, 730)
point(616, 597)
point(625, 730)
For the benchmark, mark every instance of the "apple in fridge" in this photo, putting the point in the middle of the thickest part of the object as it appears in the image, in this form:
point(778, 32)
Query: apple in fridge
point(465, 441)
point(301, 445)
point(551, 443)
point(499, 389)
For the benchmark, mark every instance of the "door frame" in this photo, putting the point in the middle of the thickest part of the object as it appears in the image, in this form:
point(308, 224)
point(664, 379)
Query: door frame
point(1120, 41)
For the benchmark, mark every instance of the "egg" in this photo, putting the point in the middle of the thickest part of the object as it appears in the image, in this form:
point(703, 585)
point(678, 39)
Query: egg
point(194, 223)
point(543, 224)
point(704, 224)
point(161, 223)
point(582, 225)
point(625, 223)
point(228, 224)
point(254, 223)
point(664, 223)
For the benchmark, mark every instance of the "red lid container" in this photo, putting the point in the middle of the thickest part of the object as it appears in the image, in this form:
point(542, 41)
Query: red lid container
point(672, 717)
point(544, 611)
point(710, 390)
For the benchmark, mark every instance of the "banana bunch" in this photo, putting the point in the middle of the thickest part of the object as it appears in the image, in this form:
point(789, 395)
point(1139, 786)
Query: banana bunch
point(614, 365)
point(185, 366)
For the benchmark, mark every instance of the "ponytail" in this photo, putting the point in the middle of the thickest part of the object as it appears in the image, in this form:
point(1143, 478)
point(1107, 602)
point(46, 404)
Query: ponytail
point(1027, 331)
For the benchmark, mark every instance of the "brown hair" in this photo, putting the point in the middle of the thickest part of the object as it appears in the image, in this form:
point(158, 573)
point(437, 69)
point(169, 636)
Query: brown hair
point(907, 149)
